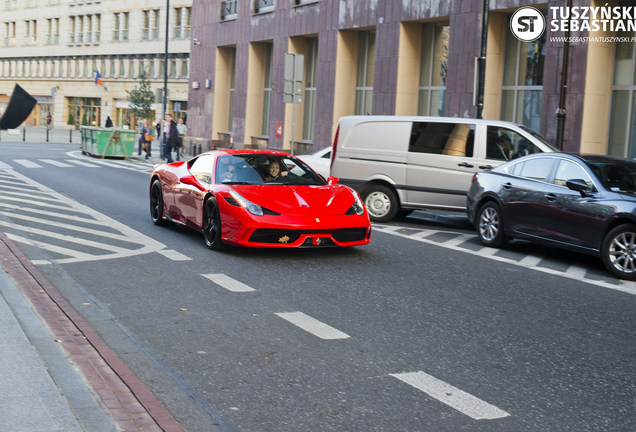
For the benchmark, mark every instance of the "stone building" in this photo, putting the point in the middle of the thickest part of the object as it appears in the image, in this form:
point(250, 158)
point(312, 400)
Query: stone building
point(401, 58)
point(52, 48)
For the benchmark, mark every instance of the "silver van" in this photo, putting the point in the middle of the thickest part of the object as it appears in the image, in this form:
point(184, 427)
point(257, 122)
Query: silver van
point(401, 163)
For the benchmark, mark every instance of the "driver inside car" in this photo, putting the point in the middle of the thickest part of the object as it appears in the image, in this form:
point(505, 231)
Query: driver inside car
point(273, 172)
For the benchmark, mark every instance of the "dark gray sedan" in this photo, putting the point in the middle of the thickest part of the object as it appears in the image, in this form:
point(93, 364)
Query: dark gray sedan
point(583, 203)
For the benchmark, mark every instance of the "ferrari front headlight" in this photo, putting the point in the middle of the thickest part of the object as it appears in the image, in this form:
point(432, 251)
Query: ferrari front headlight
point(255, 209)
point(358, 205)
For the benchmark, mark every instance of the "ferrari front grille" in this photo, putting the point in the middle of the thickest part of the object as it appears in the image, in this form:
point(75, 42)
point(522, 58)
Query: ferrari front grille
point(265, 235)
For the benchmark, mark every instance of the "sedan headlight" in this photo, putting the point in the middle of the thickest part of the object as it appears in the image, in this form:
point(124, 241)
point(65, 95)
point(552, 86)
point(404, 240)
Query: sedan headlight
point(247, 205)
point(358, 205)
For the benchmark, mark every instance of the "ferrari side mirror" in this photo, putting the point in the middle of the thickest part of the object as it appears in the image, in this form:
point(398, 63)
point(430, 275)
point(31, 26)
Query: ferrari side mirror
point(332, 180)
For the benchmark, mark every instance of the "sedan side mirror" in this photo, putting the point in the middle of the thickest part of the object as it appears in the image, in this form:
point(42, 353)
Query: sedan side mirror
point(579, 186)
point(332, 180)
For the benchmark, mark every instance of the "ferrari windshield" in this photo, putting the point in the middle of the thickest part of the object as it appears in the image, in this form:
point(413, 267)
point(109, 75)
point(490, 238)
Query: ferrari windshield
point(265, 169)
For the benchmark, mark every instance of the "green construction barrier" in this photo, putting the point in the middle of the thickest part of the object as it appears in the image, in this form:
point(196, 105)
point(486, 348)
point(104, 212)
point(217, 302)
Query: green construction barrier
point(105, 142)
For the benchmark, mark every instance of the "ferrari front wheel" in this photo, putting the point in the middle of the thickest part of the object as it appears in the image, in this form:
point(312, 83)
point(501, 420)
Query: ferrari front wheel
point(156, 203)
point(212, 225)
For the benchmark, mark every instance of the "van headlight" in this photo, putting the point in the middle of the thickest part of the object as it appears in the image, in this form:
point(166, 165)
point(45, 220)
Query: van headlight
point(358, 205)
point(255, 209)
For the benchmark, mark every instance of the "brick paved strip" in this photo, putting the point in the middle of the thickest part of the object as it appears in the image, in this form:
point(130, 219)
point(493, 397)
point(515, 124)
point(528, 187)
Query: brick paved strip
point(128, 400)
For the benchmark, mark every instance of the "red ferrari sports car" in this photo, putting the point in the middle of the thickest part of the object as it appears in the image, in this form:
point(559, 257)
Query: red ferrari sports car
point(257, 198)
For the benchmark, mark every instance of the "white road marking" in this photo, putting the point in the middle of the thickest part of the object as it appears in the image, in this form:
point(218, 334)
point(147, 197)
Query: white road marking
point(174, 255)
point(5, 166)
point(26, 163)
point(40, 262)
point(456, 241)
point(576, 271)
point(228, 283)
point(528, 262)
point(452, 396)
point(34, 212)
point(312, 325)
point(85, 164)
point(56, 163)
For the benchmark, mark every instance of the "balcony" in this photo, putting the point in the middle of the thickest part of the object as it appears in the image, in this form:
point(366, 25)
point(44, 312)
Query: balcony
point(176, 32)
point(228, 10)
point(155, 33)
point(145, 34)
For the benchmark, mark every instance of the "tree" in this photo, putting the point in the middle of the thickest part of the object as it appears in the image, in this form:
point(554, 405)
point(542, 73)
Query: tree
point(141, 98)
point(84, 120)
point(71, 119)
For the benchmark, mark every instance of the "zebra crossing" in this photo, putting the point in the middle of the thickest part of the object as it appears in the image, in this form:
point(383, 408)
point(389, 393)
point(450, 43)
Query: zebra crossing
point(74, 162)
point(34, 215)
point(536, 260)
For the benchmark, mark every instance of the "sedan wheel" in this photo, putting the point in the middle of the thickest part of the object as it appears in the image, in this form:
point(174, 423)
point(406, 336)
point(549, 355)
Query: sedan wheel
point(212, 225)
point(381, 203)
point(156, 203)
point(619, 251)
point(490, 227)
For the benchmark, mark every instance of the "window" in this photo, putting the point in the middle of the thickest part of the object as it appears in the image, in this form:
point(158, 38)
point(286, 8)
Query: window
point(145, 30)
point(53, 31)
point(89, 29)
point(173, 68)
point(202, 168)
point(155, 25)
point(126, 26)
point(454, 139)
point(9, 35)
point(188, 22)
point(177, 23)
point(72, 30)
point(122, 24)
point(263, 6)
point(113, 71)
point(31, 32)
point(267, 89)
point(98, 28)
point(433, 66)
point(622, 131)
point(79, 35)
point(230, 126)
point(151, 68)
point(506, 144)
point(311, 63)
point(568, 170)
point(122, 70)
point(364, 79)
point(184, 68)
point(523, 81)
point(228, 9)
point(537, 169)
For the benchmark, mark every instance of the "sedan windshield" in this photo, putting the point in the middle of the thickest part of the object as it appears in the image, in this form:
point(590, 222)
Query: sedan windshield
point(617, 176)
point(265, 169)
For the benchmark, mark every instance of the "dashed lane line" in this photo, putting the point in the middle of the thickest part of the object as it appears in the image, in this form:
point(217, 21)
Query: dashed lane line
point(174, 255)
point(228, 283)
point(458, 399)
point(82, 163)
point(530, 262)
point(312, 325)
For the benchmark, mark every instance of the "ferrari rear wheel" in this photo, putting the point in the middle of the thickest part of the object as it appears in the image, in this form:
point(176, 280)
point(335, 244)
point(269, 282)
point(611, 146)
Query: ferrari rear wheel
point(212, 225)
point(156, 203)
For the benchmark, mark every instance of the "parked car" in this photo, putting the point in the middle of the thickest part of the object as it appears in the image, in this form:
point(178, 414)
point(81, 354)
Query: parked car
point(398, 164)
point(319, 161)
point(582, 203)
point(257, 198)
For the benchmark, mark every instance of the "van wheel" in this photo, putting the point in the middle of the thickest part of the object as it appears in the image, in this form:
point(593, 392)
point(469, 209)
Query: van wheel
point(381, 203)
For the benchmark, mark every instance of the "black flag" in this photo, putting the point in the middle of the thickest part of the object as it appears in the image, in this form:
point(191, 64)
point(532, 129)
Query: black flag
point(19, 108)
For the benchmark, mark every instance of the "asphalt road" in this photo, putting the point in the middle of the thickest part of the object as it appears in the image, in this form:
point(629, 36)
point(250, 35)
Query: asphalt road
point(421, 330)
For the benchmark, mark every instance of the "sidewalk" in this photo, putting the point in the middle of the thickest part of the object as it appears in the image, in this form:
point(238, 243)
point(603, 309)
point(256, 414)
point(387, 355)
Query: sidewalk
point(56, 373)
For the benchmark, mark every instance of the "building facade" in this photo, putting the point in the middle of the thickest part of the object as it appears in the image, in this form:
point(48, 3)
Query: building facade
point(395, 57)
point(53, 49)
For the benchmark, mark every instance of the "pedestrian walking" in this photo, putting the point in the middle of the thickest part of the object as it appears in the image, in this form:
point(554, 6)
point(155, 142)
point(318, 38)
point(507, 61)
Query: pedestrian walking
point(109, 122)
point(146, 138)
point(171, 137)
point(182, 130)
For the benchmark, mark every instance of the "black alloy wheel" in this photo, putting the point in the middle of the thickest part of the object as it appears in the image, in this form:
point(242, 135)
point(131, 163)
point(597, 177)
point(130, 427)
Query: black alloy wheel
point(156, 203)
point(490, 225)
point(619, 251)
point(212, 225)
point(381, 203)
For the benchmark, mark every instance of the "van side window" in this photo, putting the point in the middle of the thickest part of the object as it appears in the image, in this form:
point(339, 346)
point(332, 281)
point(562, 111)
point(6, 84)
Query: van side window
point(454, 139)
point(506, 144)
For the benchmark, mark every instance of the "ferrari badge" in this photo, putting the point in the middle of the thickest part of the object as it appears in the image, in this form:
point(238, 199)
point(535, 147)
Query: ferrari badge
point(317, 220)
point(283, 239)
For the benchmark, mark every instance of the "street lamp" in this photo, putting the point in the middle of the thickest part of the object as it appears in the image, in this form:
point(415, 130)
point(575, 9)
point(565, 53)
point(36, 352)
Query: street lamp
point(165, 81)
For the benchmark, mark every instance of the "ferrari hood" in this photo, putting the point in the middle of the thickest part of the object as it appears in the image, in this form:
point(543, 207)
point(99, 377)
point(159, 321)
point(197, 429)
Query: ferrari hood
point(300, 200)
